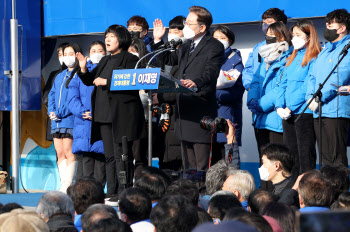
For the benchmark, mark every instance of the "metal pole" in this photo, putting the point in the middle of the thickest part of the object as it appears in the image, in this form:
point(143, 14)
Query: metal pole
point(150, 128)
point(15, 103)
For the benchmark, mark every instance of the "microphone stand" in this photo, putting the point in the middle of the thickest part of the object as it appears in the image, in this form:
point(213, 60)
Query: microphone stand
point(318, 96)
point(150, 98)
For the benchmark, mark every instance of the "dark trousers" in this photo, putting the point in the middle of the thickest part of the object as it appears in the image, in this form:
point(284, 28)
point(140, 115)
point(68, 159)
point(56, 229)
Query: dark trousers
point(114, 164)
point(264, 137)
point(334, 140)
point(94, 165)
point(196, 155)
point(300, 139)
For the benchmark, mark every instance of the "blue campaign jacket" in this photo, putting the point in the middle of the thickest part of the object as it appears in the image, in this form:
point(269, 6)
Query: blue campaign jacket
point(58, 102)
point(79, 97)
point(323, 65)
point(265, 88)
point(230, 99)
point(294, 85)
point(251, 65)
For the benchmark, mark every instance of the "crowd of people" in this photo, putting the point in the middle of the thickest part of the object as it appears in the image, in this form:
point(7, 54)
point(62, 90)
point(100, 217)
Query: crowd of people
point(88, 122)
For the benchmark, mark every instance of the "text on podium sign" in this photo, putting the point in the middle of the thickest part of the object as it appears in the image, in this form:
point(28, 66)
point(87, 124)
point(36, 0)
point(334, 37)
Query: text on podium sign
point(135, 79)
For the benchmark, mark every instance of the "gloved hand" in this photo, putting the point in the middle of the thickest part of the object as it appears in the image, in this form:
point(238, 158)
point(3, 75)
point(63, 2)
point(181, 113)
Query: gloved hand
point(254, 107)
point(284, 114)
point(313, 106)
point(164, 124)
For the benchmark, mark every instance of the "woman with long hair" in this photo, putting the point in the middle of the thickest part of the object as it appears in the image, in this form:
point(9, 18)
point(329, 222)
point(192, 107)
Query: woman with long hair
point(299, 136)
point(63, 119)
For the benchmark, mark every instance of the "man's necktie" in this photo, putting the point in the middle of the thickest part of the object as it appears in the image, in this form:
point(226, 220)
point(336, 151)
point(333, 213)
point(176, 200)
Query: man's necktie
point(192, 47)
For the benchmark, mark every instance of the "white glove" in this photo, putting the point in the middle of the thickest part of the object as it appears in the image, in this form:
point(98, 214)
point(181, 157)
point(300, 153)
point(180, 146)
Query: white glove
point(283, 113)
point(313, 106)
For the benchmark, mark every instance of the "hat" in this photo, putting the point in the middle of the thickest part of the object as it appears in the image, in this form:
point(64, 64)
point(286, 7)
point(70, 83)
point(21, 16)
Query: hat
point(273, 223)
point(227, 226)
point(22, 220)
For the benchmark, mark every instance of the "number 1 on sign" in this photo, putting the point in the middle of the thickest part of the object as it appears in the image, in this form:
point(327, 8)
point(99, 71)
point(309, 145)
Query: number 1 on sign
point(134, 79)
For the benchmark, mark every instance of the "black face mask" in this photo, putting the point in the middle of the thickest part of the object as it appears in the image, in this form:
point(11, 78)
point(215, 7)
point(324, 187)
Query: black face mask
point(135, 34)
point(331, 34)
point(270, 39)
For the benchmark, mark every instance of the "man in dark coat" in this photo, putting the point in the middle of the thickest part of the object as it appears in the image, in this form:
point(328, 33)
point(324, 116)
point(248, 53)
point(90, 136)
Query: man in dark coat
point(199, 61)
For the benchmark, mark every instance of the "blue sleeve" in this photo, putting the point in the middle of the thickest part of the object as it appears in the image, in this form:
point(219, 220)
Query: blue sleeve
point(254, 91)
point(64, 111)
point(248, 72)
point(267, 102)
point(51, 102)
point(74, 101)
point(235, 160)
point(310, 90)
point(281, 99)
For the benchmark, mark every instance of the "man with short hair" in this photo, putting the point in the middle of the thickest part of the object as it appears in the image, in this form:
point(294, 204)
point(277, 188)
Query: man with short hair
point(186, 188)
point(174, 214)
point(270, 16)
point(220, 204)
point(335, 109)
point(94, 214)
point(138, 28)
point(153, 185)
point(242, 184)
point(199, 60)
point(84, 193)
point(135, 207)
point(315, 193)
point(258, 199)
point(56, 208)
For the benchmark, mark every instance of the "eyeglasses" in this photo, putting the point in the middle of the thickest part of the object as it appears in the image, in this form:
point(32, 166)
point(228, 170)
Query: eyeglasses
point(190, 24)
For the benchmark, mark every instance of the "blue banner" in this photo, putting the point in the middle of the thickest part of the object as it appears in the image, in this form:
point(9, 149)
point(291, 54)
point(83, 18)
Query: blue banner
point(135, 79)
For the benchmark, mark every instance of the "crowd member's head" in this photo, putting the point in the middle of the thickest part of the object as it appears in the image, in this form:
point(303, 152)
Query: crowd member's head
point(84, 193)
point(228, 226)
point(277, 163)
point(216, 176)
point(224, 35)
point(111, 225)
point(173, 214)
point(203, 216)
point(343, 202)
point(9, 207)
point(54, 203)
point(22, 220)
point(94, 214)
point(185, 188)
point(258, 199)
point(153, 185)
point(137, 26)
point(252, 219)
point(197, 22)
point(176, 26)
point(220, 204)
point(69, 55)
point(338, 177)
point(60, 55)
point(97, 50)
point(135, 205)
point(337, 25)
point(271, 16)
point(117, 39)
point(314, 190)
point(284, 215)
point(137, 47)
point(278, 32)
point(241, 183)
point(157, 172)
point(304, 36)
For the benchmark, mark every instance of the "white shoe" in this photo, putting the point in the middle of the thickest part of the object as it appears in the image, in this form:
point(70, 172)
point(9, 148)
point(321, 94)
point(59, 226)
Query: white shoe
point(62, 170)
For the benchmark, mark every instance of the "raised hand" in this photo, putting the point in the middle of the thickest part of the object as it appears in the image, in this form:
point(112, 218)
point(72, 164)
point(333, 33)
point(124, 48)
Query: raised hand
point(158, 30)
point(100, 81)
point(82, 62)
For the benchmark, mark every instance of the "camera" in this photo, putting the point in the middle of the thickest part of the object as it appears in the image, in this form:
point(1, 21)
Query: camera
point(217, 125)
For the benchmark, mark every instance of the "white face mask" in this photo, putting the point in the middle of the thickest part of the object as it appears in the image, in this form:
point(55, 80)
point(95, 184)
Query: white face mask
point(264, 173)
point(298, 42)
point(225, 43)
point(61, 60)
point(135, 54)
point(188, 33)
point(96, 57)
point(69, 61)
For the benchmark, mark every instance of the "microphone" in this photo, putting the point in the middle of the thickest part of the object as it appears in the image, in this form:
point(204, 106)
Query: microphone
point(125, 146)
point(345, 49)
point(172, 43)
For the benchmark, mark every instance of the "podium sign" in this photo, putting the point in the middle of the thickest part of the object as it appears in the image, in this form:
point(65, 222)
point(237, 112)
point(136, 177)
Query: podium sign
point(135, 79)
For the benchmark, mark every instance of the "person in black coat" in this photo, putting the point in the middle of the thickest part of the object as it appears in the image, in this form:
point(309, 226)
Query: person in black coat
point(199, 61)
point(118, 113)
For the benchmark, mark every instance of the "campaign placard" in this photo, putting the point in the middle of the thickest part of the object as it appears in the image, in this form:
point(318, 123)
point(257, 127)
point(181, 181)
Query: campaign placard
point(135, 79)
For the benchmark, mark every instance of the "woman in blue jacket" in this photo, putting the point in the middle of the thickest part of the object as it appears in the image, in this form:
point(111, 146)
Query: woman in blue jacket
point(299, 136)
point(92, 163)
point(264, 89)
point(229, 87)
point(63, 119)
